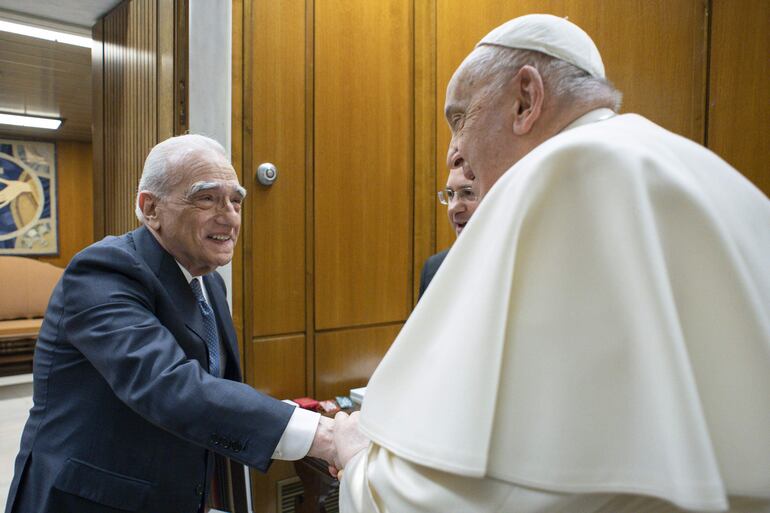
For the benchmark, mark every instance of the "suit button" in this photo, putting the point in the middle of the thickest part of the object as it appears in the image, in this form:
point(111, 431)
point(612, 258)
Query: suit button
point(199, 490)
point(237, 446)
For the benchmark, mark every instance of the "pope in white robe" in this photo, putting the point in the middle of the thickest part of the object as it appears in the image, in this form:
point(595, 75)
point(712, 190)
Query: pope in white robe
point(599, 338)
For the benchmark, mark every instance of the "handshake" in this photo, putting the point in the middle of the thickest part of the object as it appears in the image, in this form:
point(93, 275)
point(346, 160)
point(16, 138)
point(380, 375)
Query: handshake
point(337, 441)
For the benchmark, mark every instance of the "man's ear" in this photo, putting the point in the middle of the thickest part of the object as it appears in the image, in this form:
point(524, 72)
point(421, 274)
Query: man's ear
point(528, 93)
point(148, 204)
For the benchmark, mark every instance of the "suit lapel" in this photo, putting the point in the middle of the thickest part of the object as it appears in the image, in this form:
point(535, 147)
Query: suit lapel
point(170, 275)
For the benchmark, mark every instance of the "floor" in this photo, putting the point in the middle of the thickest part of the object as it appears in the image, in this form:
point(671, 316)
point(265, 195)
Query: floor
point(15, 402)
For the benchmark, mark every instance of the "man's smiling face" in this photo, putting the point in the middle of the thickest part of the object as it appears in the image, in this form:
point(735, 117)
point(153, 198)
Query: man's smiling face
point(199, 220)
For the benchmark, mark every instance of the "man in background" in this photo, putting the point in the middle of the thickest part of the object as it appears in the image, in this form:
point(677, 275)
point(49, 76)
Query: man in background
point(461, 201)
point(136, 372)
point(610, 350)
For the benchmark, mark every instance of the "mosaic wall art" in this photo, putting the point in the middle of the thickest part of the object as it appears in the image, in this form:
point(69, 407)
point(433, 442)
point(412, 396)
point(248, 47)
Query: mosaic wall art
point(28, 213)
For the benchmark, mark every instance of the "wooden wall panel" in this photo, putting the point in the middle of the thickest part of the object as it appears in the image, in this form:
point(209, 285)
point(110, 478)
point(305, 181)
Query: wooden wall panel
point(237, 156)
point(739, 96)
point(276, 366)
point(363, 162)
point(130, 106)
point(654, 51)
point(346, 359)
point(75, 184)
point(97, 127)
point(264, 487)
point(425, 168)
point(277, 213)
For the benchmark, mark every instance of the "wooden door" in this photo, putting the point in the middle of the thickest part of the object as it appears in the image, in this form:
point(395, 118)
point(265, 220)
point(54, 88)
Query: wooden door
point(328, 247)
point(327, 260)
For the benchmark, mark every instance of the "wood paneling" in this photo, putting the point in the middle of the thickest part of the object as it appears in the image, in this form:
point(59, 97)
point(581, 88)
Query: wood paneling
point(264, 487)
point(97, 127)
point(739, 96)
point(138, 90)
point(310, 197)
point(653, 51)
point(345, 359)
point(363, 162)
point(277, 213)
point(276, 366)
point(74, 178)
point(425, 168)
point(130, 106)
point(165, 70)
point(48, 79)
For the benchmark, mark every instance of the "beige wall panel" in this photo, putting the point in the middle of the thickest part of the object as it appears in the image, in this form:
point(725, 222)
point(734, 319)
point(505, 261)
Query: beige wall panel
point(346, 359)
point(276, 366)
point(739, 98)
point(654, 51)
point(277, 213)
point(363, 162)
point(74, 178)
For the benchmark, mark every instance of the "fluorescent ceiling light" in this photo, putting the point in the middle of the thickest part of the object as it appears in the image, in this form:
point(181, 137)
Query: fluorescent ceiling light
point(30, 121)
point(41, 33)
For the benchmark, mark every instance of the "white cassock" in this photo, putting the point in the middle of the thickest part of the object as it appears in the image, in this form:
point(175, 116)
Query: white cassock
point(597, 340)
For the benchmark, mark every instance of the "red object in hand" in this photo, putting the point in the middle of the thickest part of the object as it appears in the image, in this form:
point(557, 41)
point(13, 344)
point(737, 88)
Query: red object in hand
point(307, 403)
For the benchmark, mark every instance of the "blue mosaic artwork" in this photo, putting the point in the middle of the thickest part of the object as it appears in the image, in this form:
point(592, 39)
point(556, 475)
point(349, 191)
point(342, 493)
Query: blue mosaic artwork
point(28, 212)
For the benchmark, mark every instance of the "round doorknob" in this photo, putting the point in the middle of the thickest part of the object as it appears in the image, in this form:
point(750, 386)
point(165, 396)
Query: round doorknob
point(267, 174)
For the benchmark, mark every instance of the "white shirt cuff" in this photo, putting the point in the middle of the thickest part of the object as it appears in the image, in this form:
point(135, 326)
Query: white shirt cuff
point(298, 436)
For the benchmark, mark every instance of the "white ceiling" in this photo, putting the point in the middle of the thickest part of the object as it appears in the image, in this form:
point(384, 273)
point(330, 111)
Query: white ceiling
point(82, 13)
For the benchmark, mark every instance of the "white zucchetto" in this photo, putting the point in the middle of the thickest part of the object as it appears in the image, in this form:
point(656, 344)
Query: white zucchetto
point(552, 36)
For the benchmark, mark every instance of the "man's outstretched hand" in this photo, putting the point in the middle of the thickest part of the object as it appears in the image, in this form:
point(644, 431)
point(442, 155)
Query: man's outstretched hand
point(323, 444)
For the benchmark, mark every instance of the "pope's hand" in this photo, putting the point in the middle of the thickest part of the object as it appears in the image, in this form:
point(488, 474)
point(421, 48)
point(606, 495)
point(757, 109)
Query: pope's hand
point(348, 439)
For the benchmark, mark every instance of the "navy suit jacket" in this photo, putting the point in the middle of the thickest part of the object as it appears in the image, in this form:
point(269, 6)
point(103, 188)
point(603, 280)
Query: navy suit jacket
point(429, 269)
point(125, 412)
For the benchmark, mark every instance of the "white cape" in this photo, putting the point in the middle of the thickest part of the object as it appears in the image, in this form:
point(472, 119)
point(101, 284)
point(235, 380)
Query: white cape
point(602, 325)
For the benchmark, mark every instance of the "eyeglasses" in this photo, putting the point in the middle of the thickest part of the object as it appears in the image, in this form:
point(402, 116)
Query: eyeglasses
point(464, 194)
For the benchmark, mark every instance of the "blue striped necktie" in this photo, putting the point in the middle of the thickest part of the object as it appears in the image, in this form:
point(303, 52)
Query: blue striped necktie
point(210, 334)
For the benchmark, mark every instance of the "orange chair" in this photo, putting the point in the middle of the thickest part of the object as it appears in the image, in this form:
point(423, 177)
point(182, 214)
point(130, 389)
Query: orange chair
point(25, 287)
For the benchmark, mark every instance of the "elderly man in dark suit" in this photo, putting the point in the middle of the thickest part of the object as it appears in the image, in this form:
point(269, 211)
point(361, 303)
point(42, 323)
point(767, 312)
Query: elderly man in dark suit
point(461, 200)
point(136, 370)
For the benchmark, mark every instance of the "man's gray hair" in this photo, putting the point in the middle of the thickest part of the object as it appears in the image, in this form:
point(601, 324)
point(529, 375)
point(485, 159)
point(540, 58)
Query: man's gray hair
point(564, 80)
point(158, 177)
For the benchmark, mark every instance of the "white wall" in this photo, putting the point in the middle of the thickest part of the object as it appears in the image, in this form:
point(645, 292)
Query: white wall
point(210, 87)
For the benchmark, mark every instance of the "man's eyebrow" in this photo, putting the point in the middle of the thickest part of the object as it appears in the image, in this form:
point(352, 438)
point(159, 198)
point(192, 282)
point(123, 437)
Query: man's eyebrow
point(205, 186)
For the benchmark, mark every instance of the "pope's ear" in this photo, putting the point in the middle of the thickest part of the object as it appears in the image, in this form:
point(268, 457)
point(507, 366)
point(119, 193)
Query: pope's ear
point(528, 93)
point(148, 204)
